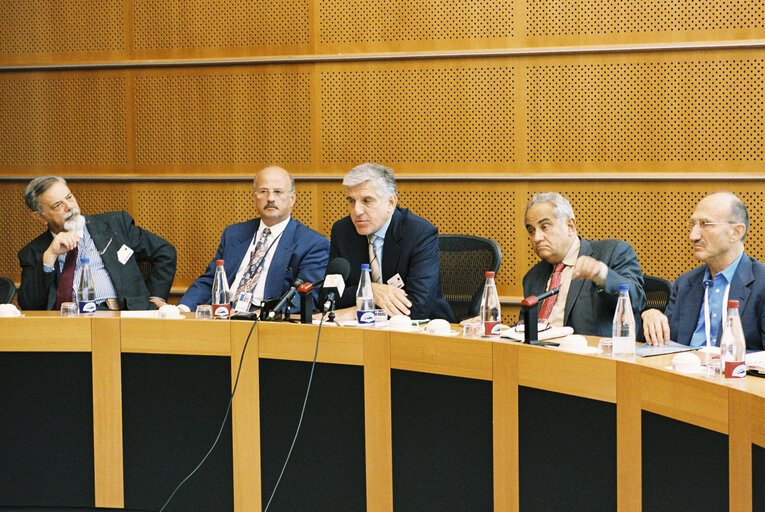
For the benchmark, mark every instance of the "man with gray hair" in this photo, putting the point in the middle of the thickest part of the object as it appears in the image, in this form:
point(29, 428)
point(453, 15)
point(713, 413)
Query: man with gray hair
point(111, 242)
point(587, 272)
point(400, 247)
point(698, 305)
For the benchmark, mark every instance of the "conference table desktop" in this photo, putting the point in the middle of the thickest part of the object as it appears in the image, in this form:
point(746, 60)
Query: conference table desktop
point(103, 411)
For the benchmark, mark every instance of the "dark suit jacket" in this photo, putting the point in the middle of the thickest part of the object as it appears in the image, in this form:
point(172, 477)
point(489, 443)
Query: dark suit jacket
point(410, 250)
point(302, 252)
point(747, 286)
point(38, 288)
point(588, 310)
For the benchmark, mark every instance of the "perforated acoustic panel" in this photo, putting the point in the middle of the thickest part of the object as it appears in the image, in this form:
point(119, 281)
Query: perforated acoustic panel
point(62, 120)
point(427, 113)
point(223, 118)
point(576, 17)
point(164, 24)
point(35, 26)
point(193, 216)
point(358, 21)
point(678, 111)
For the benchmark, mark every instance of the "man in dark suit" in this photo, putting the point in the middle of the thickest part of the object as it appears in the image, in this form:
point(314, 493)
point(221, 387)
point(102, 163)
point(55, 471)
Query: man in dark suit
point(111, 241)
point(264, 256)
point(697, 307)
point(401, 248)
point(587, 272)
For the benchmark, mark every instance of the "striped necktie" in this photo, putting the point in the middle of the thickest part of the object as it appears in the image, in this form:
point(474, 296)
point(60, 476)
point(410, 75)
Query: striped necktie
point(250, 277)
point(374, 265)
point(547, 305)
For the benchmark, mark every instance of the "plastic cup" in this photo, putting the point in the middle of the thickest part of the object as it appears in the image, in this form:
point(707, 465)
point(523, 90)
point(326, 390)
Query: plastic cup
point(381, 319)
point(472, 330)
point(204, 312)
point(606, 347)
point(69, 309)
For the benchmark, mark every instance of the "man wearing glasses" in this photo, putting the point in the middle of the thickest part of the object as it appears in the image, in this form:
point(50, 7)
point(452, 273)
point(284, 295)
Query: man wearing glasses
point(587, 272)
point(697, 307)
point(264, 256)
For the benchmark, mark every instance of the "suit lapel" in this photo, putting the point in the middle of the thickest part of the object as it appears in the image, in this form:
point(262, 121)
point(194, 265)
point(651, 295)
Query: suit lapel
point(694, 297)
point(105, 243)
point(240, 244)
point(740, 287)
point(576, 284)
point(392, 246)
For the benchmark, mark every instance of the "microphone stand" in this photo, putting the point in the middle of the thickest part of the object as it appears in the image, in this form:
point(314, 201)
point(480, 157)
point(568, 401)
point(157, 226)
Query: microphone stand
point(530, 316)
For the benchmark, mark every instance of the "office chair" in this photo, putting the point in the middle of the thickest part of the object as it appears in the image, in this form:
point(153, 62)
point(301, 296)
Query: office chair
point(657, 292)
point(7, 290)
point(463, 262)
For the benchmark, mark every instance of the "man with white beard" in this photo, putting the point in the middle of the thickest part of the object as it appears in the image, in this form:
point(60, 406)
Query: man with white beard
point(113, 244)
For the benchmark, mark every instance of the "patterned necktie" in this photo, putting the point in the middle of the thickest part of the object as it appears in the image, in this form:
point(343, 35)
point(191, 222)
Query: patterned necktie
point(250, 277)
point(374, 265)
point(66, 279)
point(547, 305)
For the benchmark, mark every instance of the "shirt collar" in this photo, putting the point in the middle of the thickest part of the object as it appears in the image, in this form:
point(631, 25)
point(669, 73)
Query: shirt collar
point(276, 229)
point(728, 273)
point(573, 253)
point(380, 233)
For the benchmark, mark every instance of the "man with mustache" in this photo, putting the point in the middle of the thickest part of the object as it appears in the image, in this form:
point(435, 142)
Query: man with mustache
point(587, 272)
point(114, 245)
point(264, 256)
point(697, 308)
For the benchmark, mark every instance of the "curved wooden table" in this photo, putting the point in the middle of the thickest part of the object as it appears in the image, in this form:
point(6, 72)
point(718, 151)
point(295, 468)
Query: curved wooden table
point(634, 386)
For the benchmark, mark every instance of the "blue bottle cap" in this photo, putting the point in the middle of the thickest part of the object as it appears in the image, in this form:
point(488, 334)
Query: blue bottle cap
point(364, 266)
point(85, 260)
point(624, 287)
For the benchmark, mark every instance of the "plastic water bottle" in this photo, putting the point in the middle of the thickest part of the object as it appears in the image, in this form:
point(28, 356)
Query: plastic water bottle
point(86, 291)
point(365, 300)
point(623, 332)
point(490, 312)
point(221, 301)
point(733, 344)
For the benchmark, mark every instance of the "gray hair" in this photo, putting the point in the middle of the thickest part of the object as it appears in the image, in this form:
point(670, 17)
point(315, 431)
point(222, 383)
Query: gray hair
point(561, 207)
point(38, 187)
point(384, 180)
point(738, 211)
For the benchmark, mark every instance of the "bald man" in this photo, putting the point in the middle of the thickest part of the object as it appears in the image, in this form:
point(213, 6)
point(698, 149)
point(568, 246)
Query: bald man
point(264, 256)
point(697, 307)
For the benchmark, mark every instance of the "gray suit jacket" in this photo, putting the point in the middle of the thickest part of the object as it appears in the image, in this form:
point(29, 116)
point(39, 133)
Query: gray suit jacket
point(589, 310)
point(113, 229)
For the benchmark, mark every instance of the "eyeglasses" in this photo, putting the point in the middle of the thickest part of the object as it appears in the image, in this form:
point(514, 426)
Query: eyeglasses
point(264, 192)
point(704, 224)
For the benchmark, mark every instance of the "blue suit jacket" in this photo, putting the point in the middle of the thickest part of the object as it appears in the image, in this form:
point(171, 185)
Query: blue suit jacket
point(410, 250)
point(589, 310)
point(302, 252)
point(748, 287)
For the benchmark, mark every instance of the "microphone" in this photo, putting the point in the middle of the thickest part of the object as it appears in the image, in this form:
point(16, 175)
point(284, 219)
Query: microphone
point(285, 298)
point(533, 300)
point(334, 282)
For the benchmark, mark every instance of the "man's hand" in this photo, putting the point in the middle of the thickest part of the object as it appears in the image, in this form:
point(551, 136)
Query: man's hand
point(393, 300)
point(655, 327)
point(62, 243)
point(592, 269)
point(158, 302)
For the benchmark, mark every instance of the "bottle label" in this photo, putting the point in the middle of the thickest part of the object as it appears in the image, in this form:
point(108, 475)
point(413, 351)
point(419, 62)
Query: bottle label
point(491, 328)
point(366, 317)
point(221, 311)
point(87, 306)
point(735, 369)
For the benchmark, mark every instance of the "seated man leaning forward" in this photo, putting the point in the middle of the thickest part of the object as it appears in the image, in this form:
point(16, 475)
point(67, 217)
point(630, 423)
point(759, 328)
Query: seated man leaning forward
point(50, 264)
point(400, 247)
point(697, 307)
point(264, 256)
point(587, 272)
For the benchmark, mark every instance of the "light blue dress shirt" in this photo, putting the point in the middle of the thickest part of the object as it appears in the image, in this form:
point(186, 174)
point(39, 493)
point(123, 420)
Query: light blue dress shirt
point(716, 291)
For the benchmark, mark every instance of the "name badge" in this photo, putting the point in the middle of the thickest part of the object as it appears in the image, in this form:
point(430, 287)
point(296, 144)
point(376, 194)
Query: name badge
point(124, 254)
point(243, 302)
point(396, 281)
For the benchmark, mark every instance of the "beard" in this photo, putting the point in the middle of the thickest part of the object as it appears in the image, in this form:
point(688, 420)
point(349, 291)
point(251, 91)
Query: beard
point(74, 221)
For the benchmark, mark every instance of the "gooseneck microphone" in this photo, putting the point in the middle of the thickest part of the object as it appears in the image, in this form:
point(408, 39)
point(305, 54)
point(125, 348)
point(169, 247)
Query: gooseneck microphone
point(333, 287)
point(533, 300)
point(286, 298)
point(530, 316)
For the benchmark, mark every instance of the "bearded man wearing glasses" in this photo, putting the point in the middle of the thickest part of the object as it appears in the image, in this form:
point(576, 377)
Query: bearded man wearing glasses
point(697, 307)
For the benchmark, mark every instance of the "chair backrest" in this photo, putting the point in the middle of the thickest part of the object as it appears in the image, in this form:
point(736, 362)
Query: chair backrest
point(657, 292)
point(7, 290)
point(464, 260)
